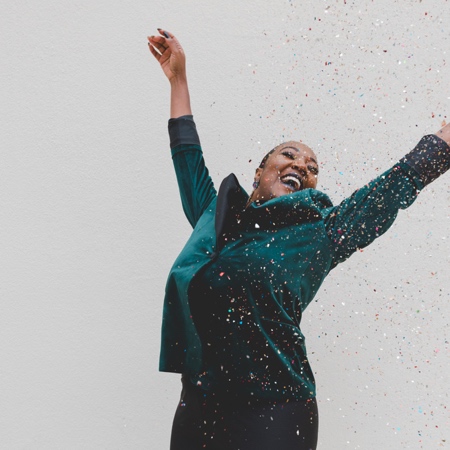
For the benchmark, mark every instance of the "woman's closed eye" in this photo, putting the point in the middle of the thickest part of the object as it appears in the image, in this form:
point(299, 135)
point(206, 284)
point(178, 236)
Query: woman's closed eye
point(289, 154)
point(313, 169)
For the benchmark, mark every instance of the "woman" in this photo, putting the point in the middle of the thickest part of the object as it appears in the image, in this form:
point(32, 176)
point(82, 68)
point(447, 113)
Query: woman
point(236, 293)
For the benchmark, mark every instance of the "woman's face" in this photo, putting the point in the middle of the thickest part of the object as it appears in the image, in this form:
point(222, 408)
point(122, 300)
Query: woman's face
point(290, 168)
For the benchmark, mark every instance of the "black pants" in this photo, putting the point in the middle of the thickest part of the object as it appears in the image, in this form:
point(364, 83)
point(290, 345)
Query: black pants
point(218, 421)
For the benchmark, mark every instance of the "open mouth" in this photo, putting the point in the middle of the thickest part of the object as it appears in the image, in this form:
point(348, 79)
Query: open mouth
point(293, 181)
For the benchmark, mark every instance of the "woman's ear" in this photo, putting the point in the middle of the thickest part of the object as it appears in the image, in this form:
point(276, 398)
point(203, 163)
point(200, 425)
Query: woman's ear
point(258, 173)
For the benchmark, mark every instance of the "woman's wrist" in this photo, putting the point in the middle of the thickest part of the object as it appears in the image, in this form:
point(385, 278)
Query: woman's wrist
point(178, 81)
point(180, 104)
point(444, 133)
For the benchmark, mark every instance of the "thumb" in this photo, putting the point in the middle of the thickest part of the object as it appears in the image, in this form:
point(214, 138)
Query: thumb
point(165, 33)
point(171, 40)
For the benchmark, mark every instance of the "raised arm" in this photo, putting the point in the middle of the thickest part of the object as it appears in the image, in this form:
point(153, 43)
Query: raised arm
point(170, 55)
point(196, 187)
point(371, 210)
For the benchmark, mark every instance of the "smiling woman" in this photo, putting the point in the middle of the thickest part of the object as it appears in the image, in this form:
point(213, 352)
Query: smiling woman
point(236, 293)
point(290, 167)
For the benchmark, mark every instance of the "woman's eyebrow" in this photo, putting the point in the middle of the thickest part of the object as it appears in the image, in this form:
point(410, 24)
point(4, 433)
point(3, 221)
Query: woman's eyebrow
point(294, 148)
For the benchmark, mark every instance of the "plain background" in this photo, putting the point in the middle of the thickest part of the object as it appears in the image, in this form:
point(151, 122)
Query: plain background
point(91, 221)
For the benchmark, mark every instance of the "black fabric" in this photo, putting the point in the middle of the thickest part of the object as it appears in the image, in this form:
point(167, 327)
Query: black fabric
point(182, 130)
point(223, 421)
point(230, 199)
point(430, 158)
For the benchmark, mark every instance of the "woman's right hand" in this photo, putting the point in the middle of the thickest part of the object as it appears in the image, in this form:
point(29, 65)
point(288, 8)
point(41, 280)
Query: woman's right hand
point(169, 53)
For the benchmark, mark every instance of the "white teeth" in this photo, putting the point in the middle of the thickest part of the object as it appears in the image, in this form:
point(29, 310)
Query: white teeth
point(292, 179)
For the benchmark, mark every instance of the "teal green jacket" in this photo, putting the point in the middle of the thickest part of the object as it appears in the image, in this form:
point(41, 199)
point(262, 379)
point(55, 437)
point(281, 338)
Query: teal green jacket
point(254, 270)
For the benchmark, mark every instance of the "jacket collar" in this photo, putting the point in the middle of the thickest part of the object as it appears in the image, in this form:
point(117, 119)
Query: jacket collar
point(293, 209)
point(231, 201)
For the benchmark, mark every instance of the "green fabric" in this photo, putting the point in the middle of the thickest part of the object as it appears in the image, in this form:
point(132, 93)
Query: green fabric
point(274, 260)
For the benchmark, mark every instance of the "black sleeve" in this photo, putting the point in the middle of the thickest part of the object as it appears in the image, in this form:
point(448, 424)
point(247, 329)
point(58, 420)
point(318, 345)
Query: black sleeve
point(196, 187)
point(430, 158)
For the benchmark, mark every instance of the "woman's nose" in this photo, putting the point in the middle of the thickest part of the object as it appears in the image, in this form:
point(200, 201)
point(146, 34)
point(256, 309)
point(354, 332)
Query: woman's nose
point(300, 166)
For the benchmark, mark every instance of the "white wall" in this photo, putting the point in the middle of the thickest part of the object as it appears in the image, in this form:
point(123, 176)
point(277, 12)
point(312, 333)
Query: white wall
point(87, 236)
